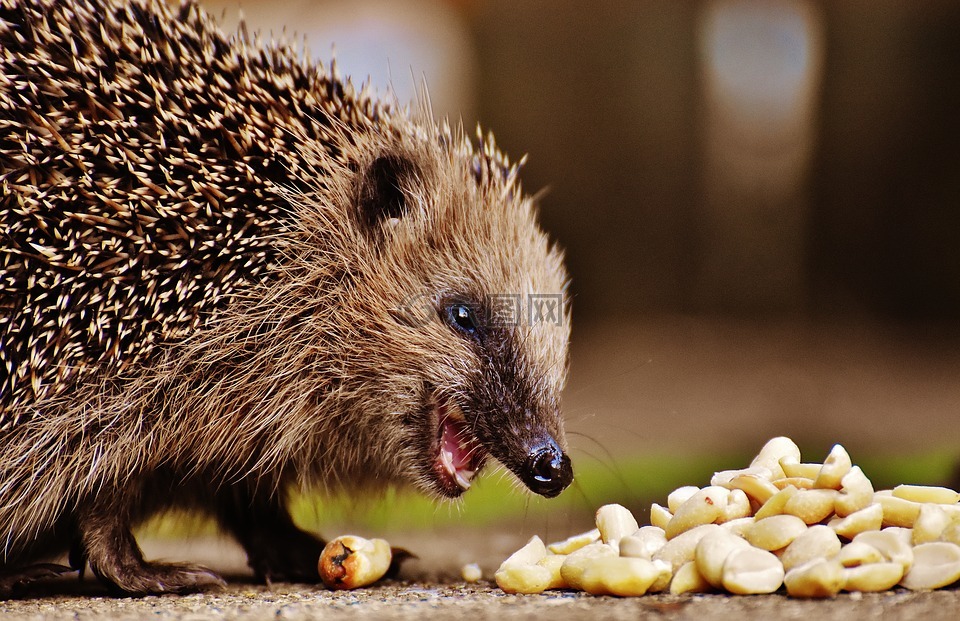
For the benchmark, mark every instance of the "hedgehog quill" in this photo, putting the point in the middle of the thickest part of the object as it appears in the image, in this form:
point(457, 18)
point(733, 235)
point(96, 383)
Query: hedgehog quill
point(209, 246)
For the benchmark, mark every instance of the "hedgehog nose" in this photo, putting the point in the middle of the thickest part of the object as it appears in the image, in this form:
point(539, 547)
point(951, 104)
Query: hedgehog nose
point(547, 470)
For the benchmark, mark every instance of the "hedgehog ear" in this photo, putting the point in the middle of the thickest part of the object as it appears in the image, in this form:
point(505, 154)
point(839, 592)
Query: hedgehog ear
point(381, 197)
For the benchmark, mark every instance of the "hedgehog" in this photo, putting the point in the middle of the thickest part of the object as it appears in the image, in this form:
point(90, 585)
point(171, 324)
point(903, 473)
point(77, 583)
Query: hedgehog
point(227, 274)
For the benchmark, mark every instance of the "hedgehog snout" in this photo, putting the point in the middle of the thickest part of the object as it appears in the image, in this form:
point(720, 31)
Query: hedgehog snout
point(547, 470)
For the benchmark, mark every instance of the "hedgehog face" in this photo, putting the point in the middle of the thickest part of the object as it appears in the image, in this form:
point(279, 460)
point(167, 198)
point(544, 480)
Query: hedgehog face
point(506, 405)
point(475, 320)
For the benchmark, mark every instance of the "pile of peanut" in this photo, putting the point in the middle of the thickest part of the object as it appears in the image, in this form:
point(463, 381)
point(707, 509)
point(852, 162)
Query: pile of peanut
point(816, 529)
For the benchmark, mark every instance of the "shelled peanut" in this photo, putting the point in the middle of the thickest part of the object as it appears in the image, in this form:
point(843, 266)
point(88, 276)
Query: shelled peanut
point(350, 562)
point(815, 529)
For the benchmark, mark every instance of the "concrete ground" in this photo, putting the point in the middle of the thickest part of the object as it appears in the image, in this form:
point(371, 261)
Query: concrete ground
point(458, 601)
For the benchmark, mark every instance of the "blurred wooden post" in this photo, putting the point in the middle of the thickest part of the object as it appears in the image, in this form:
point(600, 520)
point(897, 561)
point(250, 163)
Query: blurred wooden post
point(761, 66)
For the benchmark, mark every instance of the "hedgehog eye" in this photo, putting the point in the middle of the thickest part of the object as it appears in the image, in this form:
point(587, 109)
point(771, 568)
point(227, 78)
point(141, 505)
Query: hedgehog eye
point(462, 317)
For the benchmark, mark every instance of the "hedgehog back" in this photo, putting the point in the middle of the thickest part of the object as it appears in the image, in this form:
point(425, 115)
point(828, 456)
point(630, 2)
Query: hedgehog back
point(143, 158)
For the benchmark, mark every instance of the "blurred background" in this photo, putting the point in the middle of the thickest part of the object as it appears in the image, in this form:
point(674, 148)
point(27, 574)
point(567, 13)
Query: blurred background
point(759, 199)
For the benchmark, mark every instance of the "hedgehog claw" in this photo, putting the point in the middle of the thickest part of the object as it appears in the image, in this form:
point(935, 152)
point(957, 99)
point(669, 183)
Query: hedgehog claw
point(115, 558)
point(159, 578)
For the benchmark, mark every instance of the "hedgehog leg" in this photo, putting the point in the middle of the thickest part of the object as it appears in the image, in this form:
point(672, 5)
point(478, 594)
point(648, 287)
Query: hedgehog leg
point(117, 560)
point(277, 549)
point(13, 582)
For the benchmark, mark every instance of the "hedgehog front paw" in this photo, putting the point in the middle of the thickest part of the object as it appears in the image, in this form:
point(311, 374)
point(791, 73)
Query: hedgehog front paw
point(157, 578)
point(115, 558)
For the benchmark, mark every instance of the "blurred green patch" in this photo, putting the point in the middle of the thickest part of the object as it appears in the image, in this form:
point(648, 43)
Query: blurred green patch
point(934, 467)
point(498, 500)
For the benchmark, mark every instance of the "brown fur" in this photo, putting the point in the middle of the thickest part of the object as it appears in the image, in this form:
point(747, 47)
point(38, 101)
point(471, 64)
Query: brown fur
point(293, 356)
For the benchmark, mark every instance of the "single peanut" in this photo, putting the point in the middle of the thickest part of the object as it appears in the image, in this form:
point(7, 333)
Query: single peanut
point(529, 579)
point(529, 554)
point(897, 511)
point(576, 562)
point(856, 492)
point(872, 577)
point(793, 468)
point(471, 573)
point(644, 543)
point(749, 571)
point(818, 577)
point(816, 542)
point(615, 522)
point(858, 553)
point(521, 573)
point(868, 518)
point(774, 506)
point(772, 452)
point(617, 575)
point(775, 532)
point(724, 478)
point(679, 496)
point(712, 551)
point(935, 565)
point(687, 579)
point(926, 493)
point(350, 562)
point(836, 466)
point(811, 505)
point(575, 542)
point(759, 488)
point(659, 516)
point(704, 507)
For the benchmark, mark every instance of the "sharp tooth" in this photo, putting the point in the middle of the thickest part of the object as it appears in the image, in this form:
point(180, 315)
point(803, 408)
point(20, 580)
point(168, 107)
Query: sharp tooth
point(463, 481)
point(446, 458)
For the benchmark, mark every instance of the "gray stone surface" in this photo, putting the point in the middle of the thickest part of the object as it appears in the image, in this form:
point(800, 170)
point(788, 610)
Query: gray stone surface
point(418, 600)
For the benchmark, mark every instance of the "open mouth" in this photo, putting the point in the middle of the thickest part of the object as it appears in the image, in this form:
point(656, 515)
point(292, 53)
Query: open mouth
point(459, 453)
